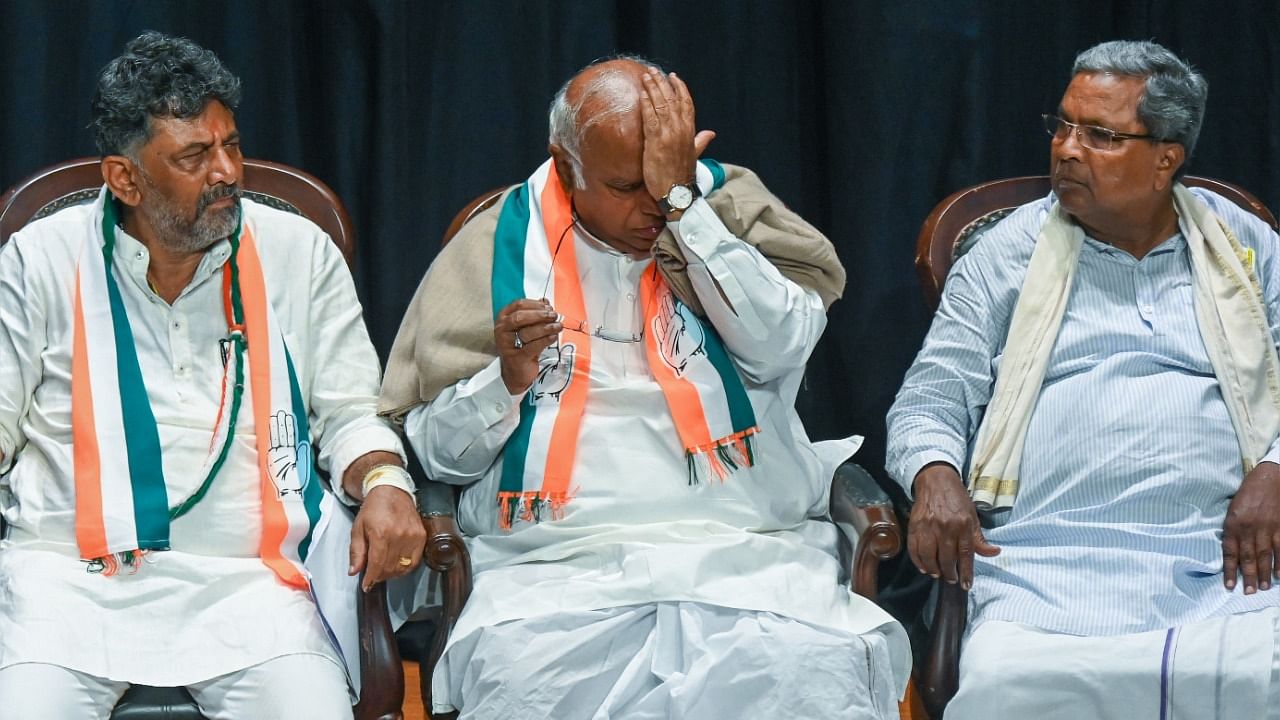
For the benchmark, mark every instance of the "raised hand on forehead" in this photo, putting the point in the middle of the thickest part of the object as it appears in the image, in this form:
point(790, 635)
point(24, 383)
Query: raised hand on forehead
point(671, 143)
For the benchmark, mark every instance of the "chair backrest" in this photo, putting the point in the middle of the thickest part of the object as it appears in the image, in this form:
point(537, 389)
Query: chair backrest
point(280, 186)
point(959, 221)
point(479, 204)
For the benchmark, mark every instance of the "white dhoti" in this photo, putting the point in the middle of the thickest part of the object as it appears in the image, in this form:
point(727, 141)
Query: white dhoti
point(1222, 667)
point(668, 661)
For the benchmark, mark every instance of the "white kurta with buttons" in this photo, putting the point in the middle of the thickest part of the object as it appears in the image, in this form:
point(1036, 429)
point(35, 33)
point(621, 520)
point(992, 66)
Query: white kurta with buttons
point(637, 531)
point(208, 606)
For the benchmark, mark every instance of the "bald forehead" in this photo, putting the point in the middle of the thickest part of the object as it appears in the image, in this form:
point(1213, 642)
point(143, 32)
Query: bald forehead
point(608, 94)
point(616, 75)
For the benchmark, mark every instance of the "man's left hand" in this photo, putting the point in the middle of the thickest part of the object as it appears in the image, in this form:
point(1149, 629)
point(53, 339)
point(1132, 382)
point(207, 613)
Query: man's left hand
point(1251, 536)
point(671, 146)
point(387, 531)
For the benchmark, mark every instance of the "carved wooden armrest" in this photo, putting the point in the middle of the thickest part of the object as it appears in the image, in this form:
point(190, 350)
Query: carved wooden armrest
point(381, 676)
point(447, 555)
point(941, 673)
point(869, 531)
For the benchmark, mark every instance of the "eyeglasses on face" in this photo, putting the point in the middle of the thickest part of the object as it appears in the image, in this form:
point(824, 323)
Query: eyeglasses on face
point(1090, 136)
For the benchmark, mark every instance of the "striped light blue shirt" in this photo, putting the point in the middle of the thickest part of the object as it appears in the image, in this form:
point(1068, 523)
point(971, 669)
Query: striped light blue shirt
point(1130, 458)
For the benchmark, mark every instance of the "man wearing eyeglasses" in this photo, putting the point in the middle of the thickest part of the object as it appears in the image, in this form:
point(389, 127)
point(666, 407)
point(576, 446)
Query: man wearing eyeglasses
point(643, 504)
point(1103, 369)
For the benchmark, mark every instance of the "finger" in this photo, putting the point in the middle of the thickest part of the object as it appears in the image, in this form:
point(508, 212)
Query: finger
point(702, 140)
point(376, 571)
point(683, 102)
point(521, 319)
point(521, 304)
point(947, 555)
point(964, 559)
point(648, 112)
point(680, 90)
point(1230, 559)
point(537, 333)
point(413, 551)
point(1262, 546)
point(1248, 565)
point(926, 555)
point(913, 550)
point(357, 552)
point(535, 348)
point(1275, 551)
point(667, 93)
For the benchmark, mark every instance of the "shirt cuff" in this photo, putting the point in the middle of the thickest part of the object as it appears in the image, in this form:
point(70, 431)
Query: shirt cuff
point(699, 229)
point(371, 438)
point(915, 463)
point(489, 393)
point(1273, 455)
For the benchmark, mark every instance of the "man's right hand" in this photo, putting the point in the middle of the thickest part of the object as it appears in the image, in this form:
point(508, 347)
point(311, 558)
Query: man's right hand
point(524, 329)
point(943, 532)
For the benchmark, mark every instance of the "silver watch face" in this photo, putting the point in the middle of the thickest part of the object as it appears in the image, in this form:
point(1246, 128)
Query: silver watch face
point(680, 197)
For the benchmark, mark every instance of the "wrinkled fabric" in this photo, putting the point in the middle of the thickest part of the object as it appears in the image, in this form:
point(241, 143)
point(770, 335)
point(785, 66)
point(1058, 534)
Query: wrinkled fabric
point(1131, 456)
point(1217, 669)
point(671, 661)
point(208, 606)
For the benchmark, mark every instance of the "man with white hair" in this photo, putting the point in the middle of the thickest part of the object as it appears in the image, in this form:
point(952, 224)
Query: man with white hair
point(608, 359)
point(1103, 364)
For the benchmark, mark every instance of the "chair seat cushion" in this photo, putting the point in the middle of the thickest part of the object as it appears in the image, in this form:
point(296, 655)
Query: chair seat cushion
point(143, 702)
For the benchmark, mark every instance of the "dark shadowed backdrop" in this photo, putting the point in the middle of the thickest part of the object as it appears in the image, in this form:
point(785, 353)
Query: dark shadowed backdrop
point(861, 115)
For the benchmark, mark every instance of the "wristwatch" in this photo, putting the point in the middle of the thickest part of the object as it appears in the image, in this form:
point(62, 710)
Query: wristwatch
point(679, 198)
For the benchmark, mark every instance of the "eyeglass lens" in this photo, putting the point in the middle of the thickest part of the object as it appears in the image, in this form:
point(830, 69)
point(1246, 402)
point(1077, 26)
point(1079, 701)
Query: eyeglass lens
point(1091, 136)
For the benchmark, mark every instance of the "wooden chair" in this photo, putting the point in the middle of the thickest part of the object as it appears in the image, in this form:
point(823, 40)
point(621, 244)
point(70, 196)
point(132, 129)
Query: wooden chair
point(860, 509)
point(286, 188)
point(954, 226)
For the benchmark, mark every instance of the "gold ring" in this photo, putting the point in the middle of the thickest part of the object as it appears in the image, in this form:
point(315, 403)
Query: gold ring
point(406, 561)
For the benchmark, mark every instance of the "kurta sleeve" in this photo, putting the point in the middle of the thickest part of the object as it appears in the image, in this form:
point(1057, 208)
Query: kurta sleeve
point(22, 342)
point(946, 390)
point(769, 324)
point(459, 434)
point(344, 386)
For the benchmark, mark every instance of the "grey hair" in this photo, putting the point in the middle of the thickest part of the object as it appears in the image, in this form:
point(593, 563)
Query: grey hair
point(1174, 96)
point(157, 76)
point(618, 95)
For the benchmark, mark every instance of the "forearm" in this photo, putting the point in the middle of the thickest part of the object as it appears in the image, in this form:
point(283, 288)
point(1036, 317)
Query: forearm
point(767, 322)
point(460, 434)
point(353, 478)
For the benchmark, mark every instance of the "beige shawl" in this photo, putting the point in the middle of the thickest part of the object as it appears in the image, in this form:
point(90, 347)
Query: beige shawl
point(447, 332)
point(1229, 310)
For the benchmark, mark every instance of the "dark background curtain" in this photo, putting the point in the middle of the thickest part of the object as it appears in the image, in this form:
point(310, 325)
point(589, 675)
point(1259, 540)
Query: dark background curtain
point(860, 115)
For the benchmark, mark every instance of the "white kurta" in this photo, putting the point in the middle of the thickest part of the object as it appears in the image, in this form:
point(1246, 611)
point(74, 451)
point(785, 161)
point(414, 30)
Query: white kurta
point(637, 531)
point(208, 606)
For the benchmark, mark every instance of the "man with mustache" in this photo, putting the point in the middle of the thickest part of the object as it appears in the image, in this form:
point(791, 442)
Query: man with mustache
point(1102, 369)
point(608, 359)
point(177, 364)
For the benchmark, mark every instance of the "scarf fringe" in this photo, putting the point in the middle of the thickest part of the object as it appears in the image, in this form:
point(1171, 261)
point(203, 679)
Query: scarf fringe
point(531, 506)
point(109, 565)
point(721, 458)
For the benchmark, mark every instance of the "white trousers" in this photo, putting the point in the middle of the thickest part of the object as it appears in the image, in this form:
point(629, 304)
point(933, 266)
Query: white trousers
point(290, 687)
point(671, 661)
point(1216, 669)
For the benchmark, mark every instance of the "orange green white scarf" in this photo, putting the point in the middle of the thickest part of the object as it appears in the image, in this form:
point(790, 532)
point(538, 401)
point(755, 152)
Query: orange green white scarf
point(122, 506)
point(708, 403)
